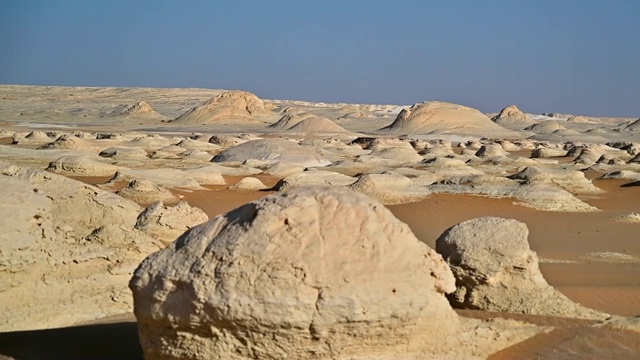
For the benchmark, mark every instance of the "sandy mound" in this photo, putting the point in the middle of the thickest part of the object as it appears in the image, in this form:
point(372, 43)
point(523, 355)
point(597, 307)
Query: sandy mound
point(512, 118)
point(69, 142)
point(573, 181)
point(124, 153)
point(291, 118)
point(228, 106)
point(317, 125)
point(312, 273)
point(139, 110)
point(273, 150)
point(389, 188)
point(79, 165)
point(434, 117)
point(34, 137)
point(249, 184)
point(634, 126)
point(67, 250)
point(167, 223)
point(540, 195)
point(579, 119)
point(547, 152)
point(490, 150)
point(546, 127)
point(313, 178)
point(145, 192)
point(496, 270)
point(172, 178)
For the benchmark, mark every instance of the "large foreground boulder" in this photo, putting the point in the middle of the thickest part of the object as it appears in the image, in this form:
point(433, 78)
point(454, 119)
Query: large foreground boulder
point(496, 270)
point(312, 273)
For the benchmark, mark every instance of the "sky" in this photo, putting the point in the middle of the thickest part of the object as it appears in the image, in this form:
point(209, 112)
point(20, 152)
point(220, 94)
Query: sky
point(567, 56)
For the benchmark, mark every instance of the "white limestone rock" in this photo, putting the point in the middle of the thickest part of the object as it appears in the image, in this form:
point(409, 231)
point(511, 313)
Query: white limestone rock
point(496, 270)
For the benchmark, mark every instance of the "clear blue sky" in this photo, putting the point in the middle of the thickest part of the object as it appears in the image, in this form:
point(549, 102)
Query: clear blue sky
point(544, 56)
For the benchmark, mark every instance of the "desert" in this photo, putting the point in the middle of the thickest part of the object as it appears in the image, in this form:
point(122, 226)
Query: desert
point(171, 223)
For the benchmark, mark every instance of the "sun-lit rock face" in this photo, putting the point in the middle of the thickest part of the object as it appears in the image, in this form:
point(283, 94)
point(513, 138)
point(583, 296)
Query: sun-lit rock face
point(314, 272)
point(435, 117)
point(229, 106)
point(496, 270)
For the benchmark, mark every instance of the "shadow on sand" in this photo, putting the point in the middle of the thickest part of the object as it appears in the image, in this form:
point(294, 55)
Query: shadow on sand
point(101, 341)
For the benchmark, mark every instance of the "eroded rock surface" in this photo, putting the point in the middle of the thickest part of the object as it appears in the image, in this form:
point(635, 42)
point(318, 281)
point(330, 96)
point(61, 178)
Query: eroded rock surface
point(67, 250)
point(312, 273)
point(496, 270)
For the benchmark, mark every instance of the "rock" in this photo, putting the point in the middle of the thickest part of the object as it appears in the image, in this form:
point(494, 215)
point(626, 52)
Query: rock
point(271, 149)
point(572, 181)
point(191, 144)
point(622, 174)
point(389, 188)
point(496, 270)
point(124, 153)
point(490, 150)
point(290, 119)
point(434, 117)
point(34, 137)
point(228, 106)
point(225, 141)
point(67, 250)
point(308, 274)
point(622, 323)
point(172, 178)
point(317, 125)
point(633, 217)
point(546, 127)
point(212, 171)
point(69, 142)
point(165, 223)
point(313, 178)
point(512, 118)
point(249, 183)
point(139, 110)
point(282, 170)
point(145, 192)
point(633, 126)
point(212, 174)
point(78, 165)
point(547, 152)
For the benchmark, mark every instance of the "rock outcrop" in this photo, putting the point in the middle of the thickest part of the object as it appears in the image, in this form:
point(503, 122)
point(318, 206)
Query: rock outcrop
point(67, 250)
point(139, 110)
point(145, 192)
point(434, 117)
point(82, 165)
point(228, 106)
point(308, 274)
point(167, 222)
point(274, 150)
point(512, 118)
point(496, 270)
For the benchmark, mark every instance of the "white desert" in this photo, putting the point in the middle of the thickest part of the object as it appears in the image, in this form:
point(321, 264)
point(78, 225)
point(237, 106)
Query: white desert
point(214, 224)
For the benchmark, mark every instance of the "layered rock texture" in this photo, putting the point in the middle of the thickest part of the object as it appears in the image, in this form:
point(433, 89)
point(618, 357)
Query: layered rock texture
point(272, 151)
point(435, 117)
point(66, 252)
point(307, 274)
point(496, 270)
point(229, 106)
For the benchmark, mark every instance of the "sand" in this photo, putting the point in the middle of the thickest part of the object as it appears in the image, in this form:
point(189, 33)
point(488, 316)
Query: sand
point(589, 257)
